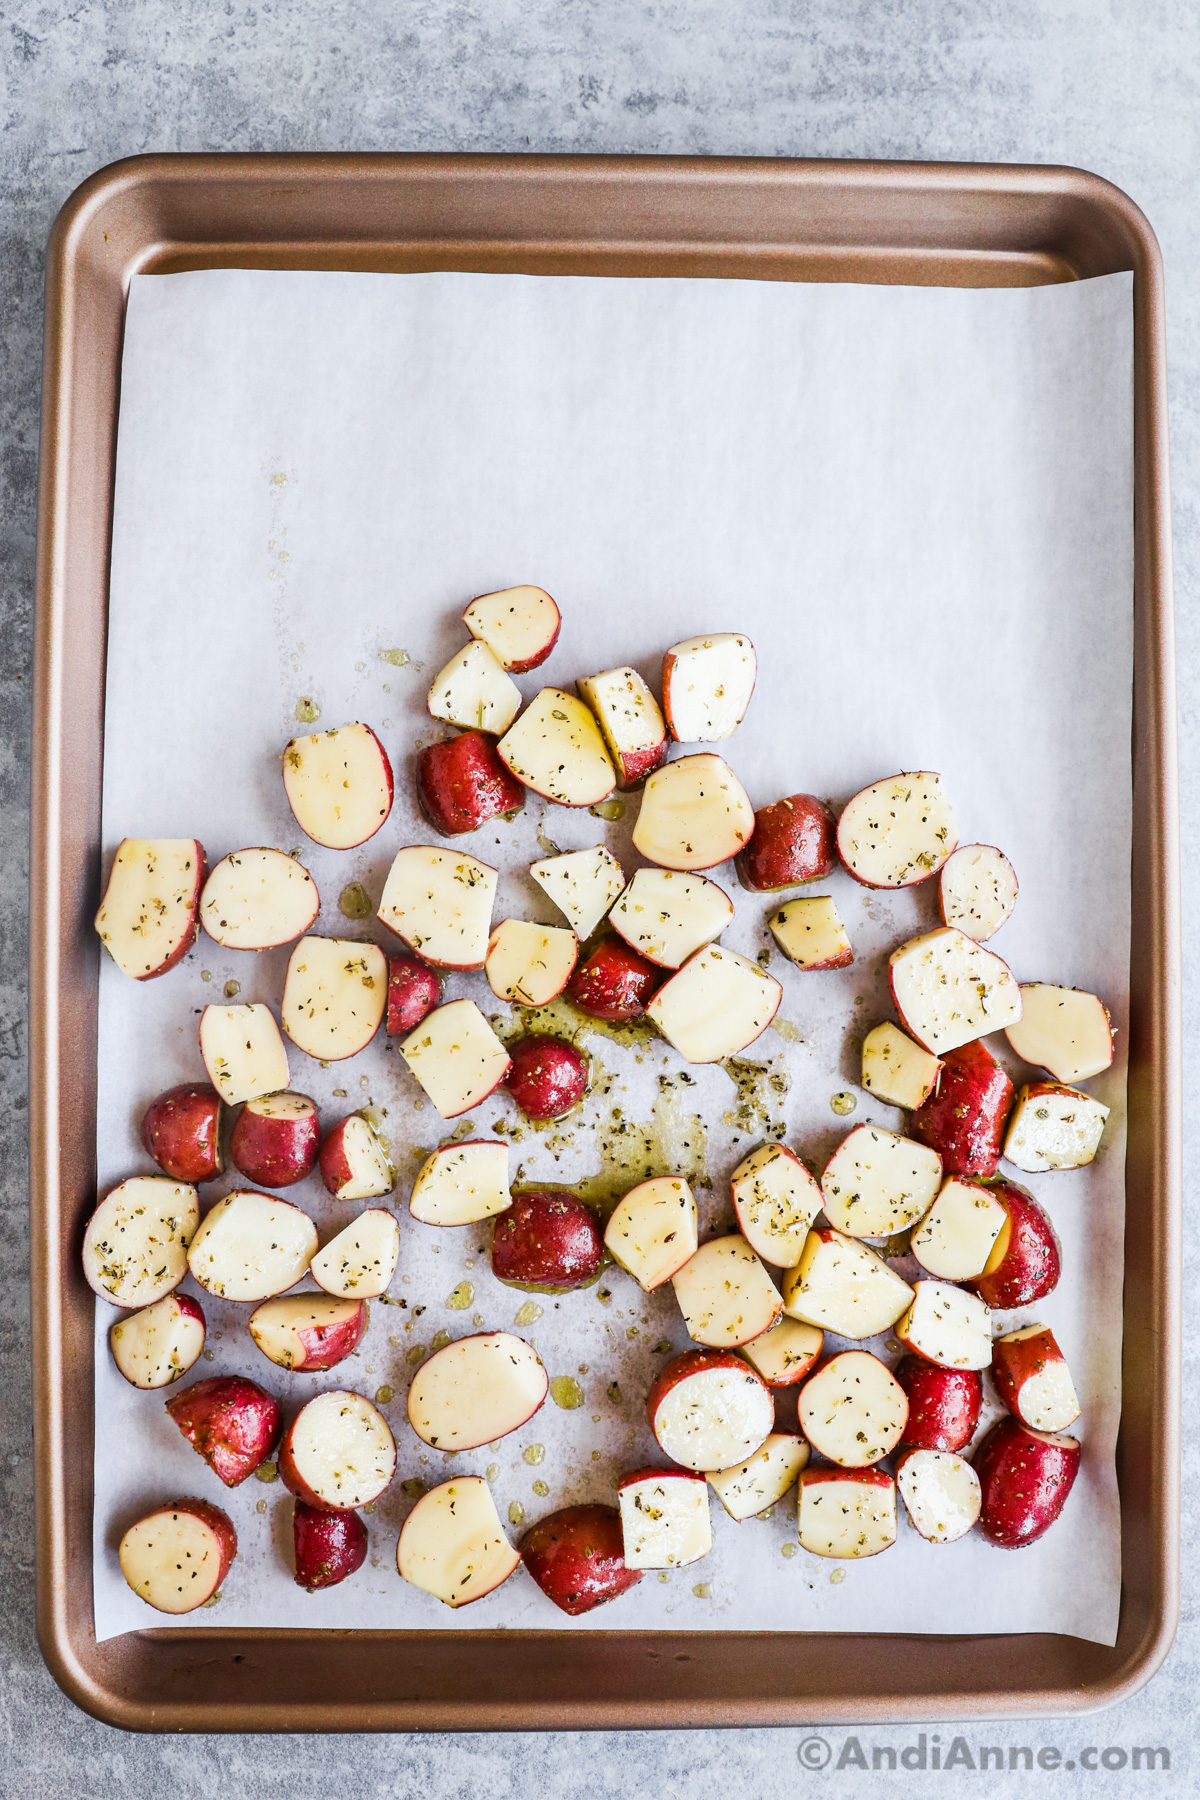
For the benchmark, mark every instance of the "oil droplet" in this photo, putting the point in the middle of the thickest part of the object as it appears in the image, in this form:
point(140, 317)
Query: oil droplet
point(307, 710)
point(516, 1513)
point(354, 902)
point(702, 1590)
point(526, 1314)
point(206, 974)
point(477, 1318)
point(493, 1469)
point(383, 1395)
point(534, 1454)
point(546, 845)
point(462, 1130)
point(791, 1034)
point(614, 1393)
point(842, 1104)
point(414, 1487)
point(789, 1549)
point(261, 1507)
point(266, 1471)
point(399, 659)
point(441, 1339)
point(631, 1331)
point(214, 1599)
point(540, 1489)
point(232, 989)
point(838, 1575)
point(359, 667)
point(664, 1575)
point(596, 1453)
point(414, 1355)
point(460, 1297)
point(566, 1392)
point(608, 809)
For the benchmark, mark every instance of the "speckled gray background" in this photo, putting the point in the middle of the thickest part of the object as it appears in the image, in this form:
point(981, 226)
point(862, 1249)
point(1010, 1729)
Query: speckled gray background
point(1111, 85)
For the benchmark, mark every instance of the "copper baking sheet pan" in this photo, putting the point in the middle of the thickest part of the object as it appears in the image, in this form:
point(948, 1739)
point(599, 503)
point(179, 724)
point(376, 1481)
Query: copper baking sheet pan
point(790, 221)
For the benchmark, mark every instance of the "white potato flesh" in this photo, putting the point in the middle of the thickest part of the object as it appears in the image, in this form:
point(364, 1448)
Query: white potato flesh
point(629, 718)
point(695, 813)
point(360, 1261)
point(154, 1347)
point(843, 1286)
point(666, 915)
point(950, 991)
point(725, 1295)
point(475, 1391)
point(147, 918)
point(334, 996)
point(343, 1449)
point(877, 1183)
point(955, 1238)
point(1053, 1128)
point(277, 1325)
point(707, 684)
point(252, 1246)
point(1064, 1030)
point(763, 1478)
point(776, 1200)
point(474, 691)
point(896, 1070)
point(456, 1057)
point(665, 1521)
point(135, 1248)
point(841, 1514)
point(978, 889)
point(243, 1051)
point(459, 1184)
point(654, 1230)
point(530, 965)
point(556, 749)
point(714, 1418)
point(1045, 1397)
point(716, 1005)
point(947, 1326)
point(339, 785)
point(440, 903)
point(452, 1543)
point(897, 831)
point(853, 1410)
point(582, 884)
point(941, 1494)
point(810, 932)
point(173, 1560)
point(371, 1172)
point(518, 625)
point(257, 898)
point(786, 1352)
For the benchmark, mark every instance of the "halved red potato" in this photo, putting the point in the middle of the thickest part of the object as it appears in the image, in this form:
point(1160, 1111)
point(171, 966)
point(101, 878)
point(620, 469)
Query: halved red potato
point(440, 902)
point(339, 785)
point(1053, 1127)
point(308, 1331)
point(716, 1005)
point(459, 1184)
point(775, 1200)
point(334, 996)
point(853, 1410)
point(615, 983)
point(577, 1557)
point(414, 989)
point(547, 1238)
point(963, 1119)
point(230, 1421)
point(725, 1295)
point(462, 783)
point(810, 933)
point(252, 1246)
point(896, 1070)
point(456, 1057)
point(327, 1546)
point(556, 749)
point(707, 683)
point(957, 1234)
point(154, 1347)
point(694, 814)
point(1065, 1030)
point(949, 990)
point(943, 1404)
point(474, 692)
point(255, 899)
point(476, 1390)
point(150, 914)
point(630, 722)
point(709, 1410)
point(1033, 1380)
point(360, 1261)
point(548, 1076)
point(176, 1558)
point(665, 1521)
point(898, 831)
point(977, 890)
point(135, 1248)
point(845, 1512)
point(354, 1163)
point(276, 1139)
point(784, 1355)
point(876, 1183)
point(947, 1326)
point(763, 1479)
point(940, 1492)
point(528, 964)
point(452, 1544)
point(1026, 1261)
point(653, 1231)
point(795, 840)
point(582, 884)
point(338, 1453)
point(243, 1051)
point(519, 625)
point(181, 1132)
point(843, 1286)
point(666, 915)
point(1025, 1477)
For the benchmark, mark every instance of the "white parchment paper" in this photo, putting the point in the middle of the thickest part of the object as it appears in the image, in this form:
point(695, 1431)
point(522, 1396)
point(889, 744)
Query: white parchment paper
point(917, 502)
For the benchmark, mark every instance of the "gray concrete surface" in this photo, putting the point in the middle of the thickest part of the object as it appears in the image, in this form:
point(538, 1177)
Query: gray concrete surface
point(1111, 85)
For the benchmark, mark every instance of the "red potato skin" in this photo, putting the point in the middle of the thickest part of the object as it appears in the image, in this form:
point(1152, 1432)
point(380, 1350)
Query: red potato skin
point(577, 1557)
point(1030, 1262)
point(328, 1546)
point(872, 1477)
point(1014, 1363)
point(230, 1421)
point(275, 1153)
point(1025, 1477)
point(633, 769)
point(335, 1165)
point(414, 989)
point(325, 1346)
point(795, 840)
point(943, 1404)
point(548, 1076)
point(615, 982)
point(547, 1238)
point(659, 1472)
point(689, 1363)
point(461, 784)
point(181, 1132)
point(964, 1117)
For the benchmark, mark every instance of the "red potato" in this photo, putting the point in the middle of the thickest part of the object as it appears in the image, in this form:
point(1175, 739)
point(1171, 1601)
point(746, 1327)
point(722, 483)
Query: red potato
point(154, 1347)
point(977, 890)
point(334, 996)
point(308, 1331)
point(876, 1183)
point(354, 1163)
point(896, 1070)
point(440, 903)
point(252, 1246)
point(959, 1232)
point(452, 1544)
point(461, 784)
point(230, 1421)
point(582, 884)
point(943, 1404)
point(476, 1390)
point(176, 1558)
point(181, 1131)
point(1053, 1127)
point(846, 1512)
point(149, 917)
point(135, 1248)
point(709, 1410)
point(653, 1230)
point(460, 1184)
point(784, 1355)
point(853, 1410)
point(1068, 1032)
point(810, 933)
point(338, 1453)
point(276, 1139)
point(775, 1200)
point(707, 683)
point(1025, 1477)
point(716, 1006)
point(725, 1294)
point(615, 983)
point(556, 749)
point(941, 1494)
point(630, 722)
point(763, 1479)
point(456, 1057)
point(843, 1286)
point(255, 899)
point(665, 1519)
point(519, 625)
point(1033, 1380)
point(243, 1051)
point(577, 1558)
point(547, 1239)
point(413, 990)
point(548, 1076)
point(360, 1261)
point(339, 785)
point(529, 964)
point(947, 1326)
point(694, 814)
point(949, 990)
point(964, 1117)
point(666, 915)
point(897, 831)
point(328, 1546)
point(1026, 1261)
point(795, 840)
point(474, 692)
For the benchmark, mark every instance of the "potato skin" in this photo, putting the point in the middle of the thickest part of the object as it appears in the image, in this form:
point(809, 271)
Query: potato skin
point(461, 784)
point(964, 1117)
point(228, 1420)
point(547, 1238)
point(548, 1076)
point(794, 840)
point(181, 1132)
point(943, 1404)
point(615, 982)
point(414, 989)
point(275, 1153)
point(328, 1546)
point(577, 1557)
point(1025, 1477)
point(1032, 1261)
